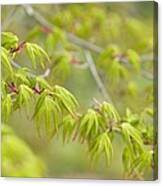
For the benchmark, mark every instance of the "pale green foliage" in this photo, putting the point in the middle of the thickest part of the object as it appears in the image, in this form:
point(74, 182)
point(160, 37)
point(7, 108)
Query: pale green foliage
point(110, 112)
point(127, 159)
point(5, 58)
point(131, 118)
point(42, 82)
point(130, 133)
point(134, 59)
point(9, 40)
point(21, 76)
point(142, 162)
point(47, 110)
point(6, 107)
point(132, 88)
point(102, 144)
point(37, 55)
point(17, 155)
point(24, 95)
point(50, 105)
point(117, 64)
point(62, 68)
point(68, 125)
point(90, 125)
point(55, 40)
point(66, 99)
point(3, 88)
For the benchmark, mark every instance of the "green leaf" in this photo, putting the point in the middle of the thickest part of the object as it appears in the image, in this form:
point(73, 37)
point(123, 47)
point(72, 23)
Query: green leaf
point(6, 107)
point(43, 83)
point(37, 55)
point(134, 59)
point(68, 126)
point(102, 144)
point(5, 58)
point(142, 162)
point(117, 71)
point(24, 95)
point(9, 40)
point(132, 88)
point(48, 111)
point(90, 125)
point(109, 111)
point(67, 100)
point(62, 68)
point(127, 159)
point(131, 118)
point(149, 111)
point(3, 88)
point(55, 39)
point(15, 151)
point(130, 132)
point(21, 76)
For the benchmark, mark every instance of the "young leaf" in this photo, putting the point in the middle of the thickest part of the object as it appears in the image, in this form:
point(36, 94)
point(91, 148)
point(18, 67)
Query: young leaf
point(90, 125)
point(102, 144)
point(37, 55)
point(6, 107)
point(132, 88)
point(9, 40)
point(131, 118)
point(24, 95)
point(116, 71)
point(67, 100)
point(143, 162)
point(127, 159)
point(134, 59)
point(68, 126)
point(47, 111)
point(43, 83)
point(109, 111)
point(6, 61)
point(21, 76)
point(130, 132)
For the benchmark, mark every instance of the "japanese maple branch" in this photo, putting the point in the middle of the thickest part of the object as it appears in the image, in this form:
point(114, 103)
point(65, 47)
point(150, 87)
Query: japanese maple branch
point(76, 40)
point(71, 37)
point(41, 20)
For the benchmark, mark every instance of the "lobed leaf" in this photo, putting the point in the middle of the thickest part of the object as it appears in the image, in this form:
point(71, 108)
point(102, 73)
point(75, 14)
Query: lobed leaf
point(130, 132)
point(24, 95)
point(68, 126)
point(142, 162)
point(47, 111)
point(134, 59)
point(9, 40)
point(67, 100)
point(109, 111)
point(6, 107)
point(37, 55)
point(90, 125)
point(5, 58)
point(102, 144)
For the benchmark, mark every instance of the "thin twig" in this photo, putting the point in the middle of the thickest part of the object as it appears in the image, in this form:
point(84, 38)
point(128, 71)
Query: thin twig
point(94, 72)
